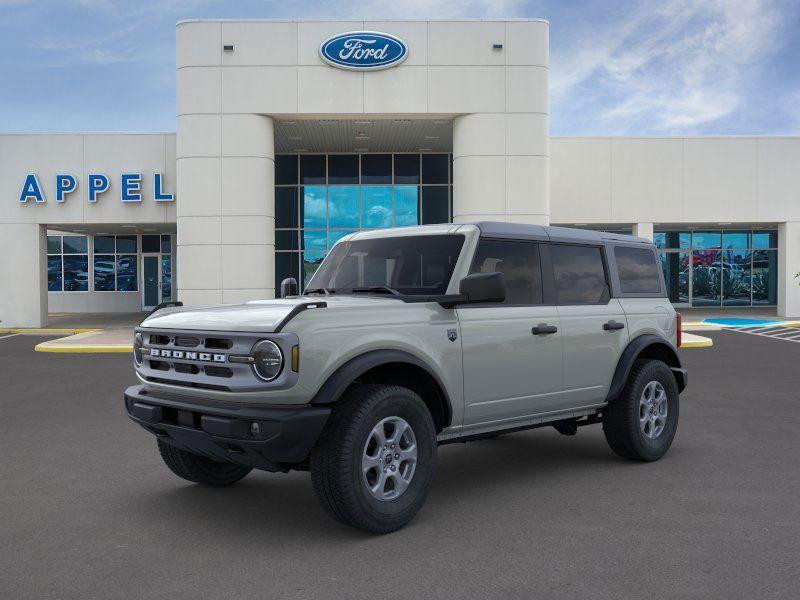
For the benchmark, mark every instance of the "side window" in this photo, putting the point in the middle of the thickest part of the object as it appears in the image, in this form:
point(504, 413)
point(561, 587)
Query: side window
point(519, 264)
point(638, 271)
point(579, 274)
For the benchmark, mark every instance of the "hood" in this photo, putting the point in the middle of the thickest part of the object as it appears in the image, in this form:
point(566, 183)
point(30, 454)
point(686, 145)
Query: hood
point(258, 316)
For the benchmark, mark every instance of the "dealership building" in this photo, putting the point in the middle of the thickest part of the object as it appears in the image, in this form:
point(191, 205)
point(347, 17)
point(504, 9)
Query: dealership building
point(291, 135)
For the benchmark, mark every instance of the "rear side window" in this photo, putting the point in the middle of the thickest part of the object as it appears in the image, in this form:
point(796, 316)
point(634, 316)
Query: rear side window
point(579, 274)
point(519, 264)
point(638, 271)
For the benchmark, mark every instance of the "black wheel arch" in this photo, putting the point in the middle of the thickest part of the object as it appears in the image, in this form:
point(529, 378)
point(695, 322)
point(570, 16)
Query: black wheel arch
point(651, 346)
point(392, 367)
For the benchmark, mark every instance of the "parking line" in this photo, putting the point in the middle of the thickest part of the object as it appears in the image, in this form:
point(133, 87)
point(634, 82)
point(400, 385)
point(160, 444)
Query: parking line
point(2, 337)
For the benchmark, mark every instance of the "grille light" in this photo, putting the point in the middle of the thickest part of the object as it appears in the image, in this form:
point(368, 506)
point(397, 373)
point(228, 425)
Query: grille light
point(138, 342)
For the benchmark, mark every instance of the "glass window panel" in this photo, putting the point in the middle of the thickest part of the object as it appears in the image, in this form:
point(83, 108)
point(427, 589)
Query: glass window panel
point(314, 239)
point(312, 168)
point(126, 274)
point(285, 169)
point(54, 279)
point(343, 168)
point(286, 240)
point(286, 265)
point(638, 271)
point(343, 206)
point(334, 235)
point(675, 266)
point(311, 262)
point(126, 244)
point(150, 243)
point(706, 277)
point(166, 244)
point(406, 168)
point(376, 168)
point(76, 273)
point(736, 277)
point(75, 244)
point(519, 264)
point(104, 244)
point(434, 168)
point(736, 239)
point(376, 206)
point(54, 244)
point(314, 206)
point(765, 277)
point(435, 205)
point(286, 207)
point(706, 239)
point(672, 239)
point(406, 205)
point(765, 239)
point(166, 278)
point(103, 272)
point(579, 274)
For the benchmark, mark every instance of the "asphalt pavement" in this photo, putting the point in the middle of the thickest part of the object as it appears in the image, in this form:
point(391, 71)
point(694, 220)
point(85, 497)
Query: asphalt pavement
point(87, 509)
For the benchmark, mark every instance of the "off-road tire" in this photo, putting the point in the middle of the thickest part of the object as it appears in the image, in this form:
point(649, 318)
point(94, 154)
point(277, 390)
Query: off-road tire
point(199, 469)
point(336, 467)
point(621, 417)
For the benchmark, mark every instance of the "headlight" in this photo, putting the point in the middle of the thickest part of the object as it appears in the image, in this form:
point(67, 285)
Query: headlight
point(138, 342)
point(268, 360)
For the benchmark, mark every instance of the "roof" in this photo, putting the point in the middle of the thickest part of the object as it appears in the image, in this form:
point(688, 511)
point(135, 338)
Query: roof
point(523, 231)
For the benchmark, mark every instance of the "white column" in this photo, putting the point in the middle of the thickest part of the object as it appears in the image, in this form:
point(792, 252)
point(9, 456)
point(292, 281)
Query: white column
point(226, 223)
point(643, 230)
point(500, 168)
point(788, 266)
point(23, 301)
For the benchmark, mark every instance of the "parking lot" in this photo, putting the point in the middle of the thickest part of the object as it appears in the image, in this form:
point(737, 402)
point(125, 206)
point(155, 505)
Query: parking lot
point(87, 509)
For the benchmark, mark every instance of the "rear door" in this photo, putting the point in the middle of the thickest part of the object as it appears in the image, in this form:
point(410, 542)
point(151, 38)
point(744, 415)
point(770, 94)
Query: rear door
point(510, 371)
point(593, 324)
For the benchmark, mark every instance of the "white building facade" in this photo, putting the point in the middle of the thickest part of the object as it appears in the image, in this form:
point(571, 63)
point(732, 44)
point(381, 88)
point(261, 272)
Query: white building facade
point(287, 140)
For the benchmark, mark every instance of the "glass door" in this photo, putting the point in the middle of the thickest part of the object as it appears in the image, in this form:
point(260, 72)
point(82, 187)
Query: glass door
point(151, 280)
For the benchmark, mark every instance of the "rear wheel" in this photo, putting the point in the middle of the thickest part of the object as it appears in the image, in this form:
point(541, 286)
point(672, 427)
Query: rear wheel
point(374, 463)
point(641, 423)
point(199, 469)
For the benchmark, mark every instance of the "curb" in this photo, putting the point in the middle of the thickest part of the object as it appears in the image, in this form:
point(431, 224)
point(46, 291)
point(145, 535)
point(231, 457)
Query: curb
point(689, 340)
point(46, 331)
point(62, 349)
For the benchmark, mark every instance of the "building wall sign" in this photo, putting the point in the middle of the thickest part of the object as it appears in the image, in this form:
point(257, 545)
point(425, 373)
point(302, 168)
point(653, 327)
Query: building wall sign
point(130, 188)
point(363, 51)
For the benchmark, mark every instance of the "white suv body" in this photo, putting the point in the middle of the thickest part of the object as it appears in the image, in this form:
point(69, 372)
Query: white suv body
point(467, 330)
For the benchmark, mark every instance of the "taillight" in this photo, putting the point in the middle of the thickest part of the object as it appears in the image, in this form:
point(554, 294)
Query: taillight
point(678, 327)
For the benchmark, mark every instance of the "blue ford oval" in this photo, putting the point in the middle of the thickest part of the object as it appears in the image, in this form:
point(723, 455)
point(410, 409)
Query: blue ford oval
point(363, 50)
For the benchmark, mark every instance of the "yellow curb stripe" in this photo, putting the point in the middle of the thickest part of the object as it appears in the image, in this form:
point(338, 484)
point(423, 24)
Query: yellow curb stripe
point(74, 349)
point(695, 341)
point(46, 331)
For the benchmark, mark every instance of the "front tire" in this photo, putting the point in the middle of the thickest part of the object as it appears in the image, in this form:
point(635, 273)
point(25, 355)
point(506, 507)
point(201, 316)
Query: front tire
point(199, 469)
point(374, 463)
point(641, 423)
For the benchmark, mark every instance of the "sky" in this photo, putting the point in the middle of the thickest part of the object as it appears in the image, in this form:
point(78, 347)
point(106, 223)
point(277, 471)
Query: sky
point(669, 67)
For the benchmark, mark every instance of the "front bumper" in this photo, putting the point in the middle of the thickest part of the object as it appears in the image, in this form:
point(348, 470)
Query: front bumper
point(226, 432)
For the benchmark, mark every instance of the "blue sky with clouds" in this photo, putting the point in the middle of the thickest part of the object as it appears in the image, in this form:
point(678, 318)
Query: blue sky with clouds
point(617, 68)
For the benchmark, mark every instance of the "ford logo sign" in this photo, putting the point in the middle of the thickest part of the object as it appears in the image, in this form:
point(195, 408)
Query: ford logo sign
point(363, 50)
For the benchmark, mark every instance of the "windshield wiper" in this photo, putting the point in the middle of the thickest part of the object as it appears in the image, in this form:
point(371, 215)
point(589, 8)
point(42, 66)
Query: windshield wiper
point(322, 290)
point(375, 289)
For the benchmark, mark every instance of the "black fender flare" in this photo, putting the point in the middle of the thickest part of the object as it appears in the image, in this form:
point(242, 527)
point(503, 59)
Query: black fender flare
point(340, 380)
point(633, 350)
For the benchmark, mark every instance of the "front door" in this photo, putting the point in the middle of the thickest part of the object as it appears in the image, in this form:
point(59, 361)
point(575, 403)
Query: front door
point(151, 288)
point(511, 350)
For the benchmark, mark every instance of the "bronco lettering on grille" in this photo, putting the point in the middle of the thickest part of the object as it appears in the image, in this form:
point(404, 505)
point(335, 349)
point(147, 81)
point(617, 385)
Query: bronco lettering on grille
point(181, 354)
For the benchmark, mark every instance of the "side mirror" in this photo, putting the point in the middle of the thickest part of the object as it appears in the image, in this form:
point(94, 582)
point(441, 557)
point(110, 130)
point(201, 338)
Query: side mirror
point(483, 287)
point(289, 287)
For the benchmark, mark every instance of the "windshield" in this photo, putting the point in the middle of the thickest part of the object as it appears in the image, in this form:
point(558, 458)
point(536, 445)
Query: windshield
point(412, 265)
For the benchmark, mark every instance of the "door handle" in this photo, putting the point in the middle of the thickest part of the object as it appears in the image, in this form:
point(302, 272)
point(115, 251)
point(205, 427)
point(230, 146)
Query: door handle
point(613, 325)
point(544, 329)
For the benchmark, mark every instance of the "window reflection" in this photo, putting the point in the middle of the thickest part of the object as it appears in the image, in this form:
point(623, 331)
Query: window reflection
point(406, 205)
point(314, 206)
point(736, 278)
point(676, 275)
point(377, 206)
point(343, 206)
point(706, 266)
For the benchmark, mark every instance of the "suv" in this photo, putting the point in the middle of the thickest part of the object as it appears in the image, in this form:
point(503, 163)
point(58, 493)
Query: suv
point(408, 338)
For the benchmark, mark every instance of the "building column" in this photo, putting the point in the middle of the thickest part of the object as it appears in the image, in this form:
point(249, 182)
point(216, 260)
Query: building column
point(226, 220)
point(23, 302)
point(501, 168)
point(643, 230)
point(788, 266)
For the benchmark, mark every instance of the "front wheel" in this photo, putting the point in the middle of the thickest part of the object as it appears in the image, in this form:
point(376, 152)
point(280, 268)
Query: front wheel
point(374, 463)
point(641, 423)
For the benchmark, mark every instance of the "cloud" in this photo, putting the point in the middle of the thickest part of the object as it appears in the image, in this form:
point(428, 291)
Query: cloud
point(672, 69)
